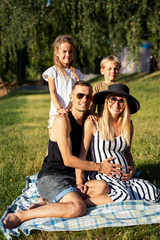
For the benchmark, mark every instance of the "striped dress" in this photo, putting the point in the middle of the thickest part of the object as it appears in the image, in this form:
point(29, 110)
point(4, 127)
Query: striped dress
point(133, 189)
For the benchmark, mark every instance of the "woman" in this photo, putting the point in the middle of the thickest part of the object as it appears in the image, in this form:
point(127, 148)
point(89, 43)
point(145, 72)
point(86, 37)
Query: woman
point(111, 136)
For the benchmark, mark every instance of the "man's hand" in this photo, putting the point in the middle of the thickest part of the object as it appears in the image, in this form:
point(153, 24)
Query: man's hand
point(93, 117)
point(82, 190)
point(110, 169)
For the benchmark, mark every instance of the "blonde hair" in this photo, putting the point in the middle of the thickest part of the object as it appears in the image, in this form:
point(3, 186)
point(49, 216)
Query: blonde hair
point(105, 122)
point(110, 59)
point(59, 40)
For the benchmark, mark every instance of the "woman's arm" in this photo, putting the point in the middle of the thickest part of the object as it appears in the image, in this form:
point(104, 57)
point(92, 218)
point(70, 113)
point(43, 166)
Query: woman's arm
point(129, 158)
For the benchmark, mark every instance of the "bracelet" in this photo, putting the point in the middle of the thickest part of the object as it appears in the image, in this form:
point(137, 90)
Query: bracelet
point(59, 108)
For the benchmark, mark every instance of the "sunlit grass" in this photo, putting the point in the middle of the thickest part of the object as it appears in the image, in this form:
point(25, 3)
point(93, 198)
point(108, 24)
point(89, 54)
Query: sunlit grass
point(24, 139)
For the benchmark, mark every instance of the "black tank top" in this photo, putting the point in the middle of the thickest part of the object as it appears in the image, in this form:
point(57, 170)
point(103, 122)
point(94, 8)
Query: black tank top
point(53, 163)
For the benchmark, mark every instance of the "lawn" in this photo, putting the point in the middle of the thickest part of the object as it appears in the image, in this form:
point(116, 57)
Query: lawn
point(24, 139)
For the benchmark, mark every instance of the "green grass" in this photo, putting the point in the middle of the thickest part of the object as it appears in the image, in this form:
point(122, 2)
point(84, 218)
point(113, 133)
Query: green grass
point(24, 139)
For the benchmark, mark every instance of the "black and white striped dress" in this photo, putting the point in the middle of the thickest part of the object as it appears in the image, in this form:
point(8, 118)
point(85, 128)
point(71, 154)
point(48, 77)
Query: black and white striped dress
point(119, 190)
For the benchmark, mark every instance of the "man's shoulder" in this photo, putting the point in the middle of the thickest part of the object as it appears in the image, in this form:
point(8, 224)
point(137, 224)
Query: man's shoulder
point(60, 128)
point(61, 119)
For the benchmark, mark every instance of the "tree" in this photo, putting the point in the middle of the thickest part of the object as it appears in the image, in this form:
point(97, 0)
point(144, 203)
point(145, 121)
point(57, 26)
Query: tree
point(22, 41)
point(101, 27)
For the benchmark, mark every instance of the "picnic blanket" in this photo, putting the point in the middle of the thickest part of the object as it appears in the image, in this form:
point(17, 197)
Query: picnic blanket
point(127, 213)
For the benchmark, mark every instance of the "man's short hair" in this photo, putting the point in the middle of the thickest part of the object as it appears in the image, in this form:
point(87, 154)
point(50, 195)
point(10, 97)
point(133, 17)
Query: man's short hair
point(82, 83)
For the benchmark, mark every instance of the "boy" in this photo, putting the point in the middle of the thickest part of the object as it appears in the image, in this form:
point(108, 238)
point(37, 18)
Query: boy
point(110, 68)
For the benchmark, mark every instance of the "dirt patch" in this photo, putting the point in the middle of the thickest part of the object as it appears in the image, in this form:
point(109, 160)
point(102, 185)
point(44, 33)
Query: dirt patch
point(6, 87)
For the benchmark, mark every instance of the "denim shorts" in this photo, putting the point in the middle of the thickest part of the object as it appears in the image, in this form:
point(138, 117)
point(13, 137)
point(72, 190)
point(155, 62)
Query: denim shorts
point(54, 187)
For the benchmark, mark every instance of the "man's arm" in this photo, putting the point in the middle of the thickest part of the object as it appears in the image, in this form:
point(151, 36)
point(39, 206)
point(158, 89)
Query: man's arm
point(61, 133)
point(89, 129)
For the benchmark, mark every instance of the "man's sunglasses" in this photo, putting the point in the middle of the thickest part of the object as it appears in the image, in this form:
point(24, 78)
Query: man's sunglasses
point(81, 95)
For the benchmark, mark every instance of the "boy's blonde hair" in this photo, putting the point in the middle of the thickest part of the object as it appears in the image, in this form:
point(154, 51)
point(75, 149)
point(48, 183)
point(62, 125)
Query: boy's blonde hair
point(110, 59)
point(105, 122)
point(58, 41)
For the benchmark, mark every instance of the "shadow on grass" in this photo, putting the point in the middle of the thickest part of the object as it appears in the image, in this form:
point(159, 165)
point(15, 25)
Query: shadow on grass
point(123, 77)
point(145, 76)
point(150, 172)
point(24, 93)
point(131, 77)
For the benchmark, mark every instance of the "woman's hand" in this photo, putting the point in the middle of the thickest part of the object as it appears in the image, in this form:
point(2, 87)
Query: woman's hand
point(129, 175)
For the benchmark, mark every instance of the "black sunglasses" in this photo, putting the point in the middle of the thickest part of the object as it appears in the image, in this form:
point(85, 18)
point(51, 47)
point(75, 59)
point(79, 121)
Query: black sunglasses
point(114, 99)
point(81, 95)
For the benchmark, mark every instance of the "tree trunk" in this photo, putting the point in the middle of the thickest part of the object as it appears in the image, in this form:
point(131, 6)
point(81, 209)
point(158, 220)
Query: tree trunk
point(3, 89)
point(158, 60)
point(21, 65)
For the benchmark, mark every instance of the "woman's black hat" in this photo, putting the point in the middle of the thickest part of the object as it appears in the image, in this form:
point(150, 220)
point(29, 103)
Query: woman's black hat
point(120, 89)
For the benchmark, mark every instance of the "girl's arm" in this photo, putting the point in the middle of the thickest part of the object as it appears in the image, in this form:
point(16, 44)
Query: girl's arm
point(89, 130)
point(54, 98)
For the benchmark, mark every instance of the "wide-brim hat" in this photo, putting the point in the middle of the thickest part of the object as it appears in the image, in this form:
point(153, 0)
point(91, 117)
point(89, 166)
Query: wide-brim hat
point(120, 89)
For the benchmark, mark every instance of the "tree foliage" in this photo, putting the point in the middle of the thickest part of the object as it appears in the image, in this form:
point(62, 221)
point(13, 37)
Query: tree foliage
point(101, 27)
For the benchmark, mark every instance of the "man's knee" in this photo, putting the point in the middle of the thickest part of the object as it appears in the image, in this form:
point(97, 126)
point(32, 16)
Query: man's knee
point(78, 209)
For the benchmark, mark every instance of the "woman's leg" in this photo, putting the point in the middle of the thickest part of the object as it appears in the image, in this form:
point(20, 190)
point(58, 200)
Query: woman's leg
point(144, 190)
point(97, 193)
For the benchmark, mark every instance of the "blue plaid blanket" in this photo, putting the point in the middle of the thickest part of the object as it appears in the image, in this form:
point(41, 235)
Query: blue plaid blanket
point(126, 213)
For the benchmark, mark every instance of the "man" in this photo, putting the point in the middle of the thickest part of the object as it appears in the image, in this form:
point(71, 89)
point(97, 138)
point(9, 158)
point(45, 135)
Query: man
point(56, 179)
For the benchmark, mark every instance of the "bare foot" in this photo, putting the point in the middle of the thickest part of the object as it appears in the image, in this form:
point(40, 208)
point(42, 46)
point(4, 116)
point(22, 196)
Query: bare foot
point(40, 202)
point(11, 221)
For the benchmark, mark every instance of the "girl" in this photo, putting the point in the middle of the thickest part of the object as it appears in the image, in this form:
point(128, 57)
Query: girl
point(61, 76)
point(111, 136)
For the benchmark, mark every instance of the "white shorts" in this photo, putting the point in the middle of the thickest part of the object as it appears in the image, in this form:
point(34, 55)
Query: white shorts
point(50, 121)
